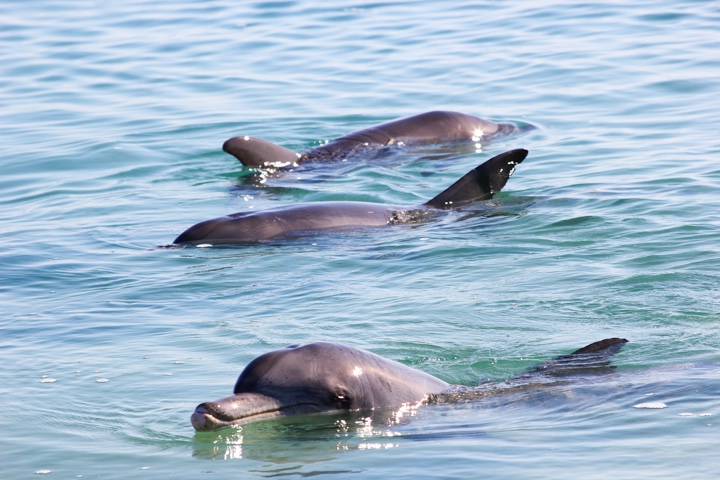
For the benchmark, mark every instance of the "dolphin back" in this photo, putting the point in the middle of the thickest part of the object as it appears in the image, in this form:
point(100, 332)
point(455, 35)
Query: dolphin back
point(591, 359)
point(482, 182)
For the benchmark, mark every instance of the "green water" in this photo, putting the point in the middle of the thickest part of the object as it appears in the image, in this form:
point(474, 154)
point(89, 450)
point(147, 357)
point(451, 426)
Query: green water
point(113, 116)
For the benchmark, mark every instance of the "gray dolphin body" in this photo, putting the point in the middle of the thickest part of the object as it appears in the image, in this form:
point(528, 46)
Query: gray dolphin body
point(436, 127)
point(481, 183)
point(325, 377)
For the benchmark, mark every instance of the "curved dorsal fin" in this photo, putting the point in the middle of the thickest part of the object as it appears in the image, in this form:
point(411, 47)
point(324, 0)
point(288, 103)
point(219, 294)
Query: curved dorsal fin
point(593, 358)
point(602, 347)
point(482, 182)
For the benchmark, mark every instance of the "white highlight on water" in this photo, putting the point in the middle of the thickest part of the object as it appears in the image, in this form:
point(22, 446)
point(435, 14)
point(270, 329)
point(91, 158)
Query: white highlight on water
point(650, 405)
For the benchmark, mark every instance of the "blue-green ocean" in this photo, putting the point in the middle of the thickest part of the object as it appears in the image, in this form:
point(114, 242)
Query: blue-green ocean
point(112, 117)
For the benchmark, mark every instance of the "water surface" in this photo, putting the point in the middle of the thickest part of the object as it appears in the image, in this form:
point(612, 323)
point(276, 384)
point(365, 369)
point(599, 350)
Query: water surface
point(113, 115)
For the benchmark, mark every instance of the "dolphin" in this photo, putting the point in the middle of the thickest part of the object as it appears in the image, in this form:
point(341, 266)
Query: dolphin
point(481, 183)
point(438, 127)
point(326, 377)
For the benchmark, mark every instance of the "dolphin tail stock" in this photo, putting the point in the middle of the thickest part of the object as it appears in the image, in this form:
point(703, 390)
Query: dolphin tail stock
point(591, 359)
point(482, 182)
point(255, 152)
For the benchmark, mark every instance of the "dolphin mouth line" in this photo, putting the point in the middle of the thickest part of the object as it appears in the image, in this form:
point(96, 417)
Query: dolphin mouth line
point(206, 419)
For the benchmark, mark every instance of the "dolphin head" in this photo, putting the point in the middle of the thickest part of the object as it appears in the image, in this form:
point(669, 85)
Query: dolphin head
point(313, 378)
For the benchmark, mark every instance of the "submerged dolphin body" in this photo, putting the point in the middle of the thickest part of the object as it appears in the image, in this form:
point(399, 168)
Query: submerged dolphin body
point(429, 128)
point(481, 183)
point(325, 377)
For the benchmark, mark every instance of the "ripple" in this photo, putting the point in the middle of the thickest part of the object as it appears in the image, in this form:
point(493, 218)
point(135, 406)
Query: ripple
point(114, 115)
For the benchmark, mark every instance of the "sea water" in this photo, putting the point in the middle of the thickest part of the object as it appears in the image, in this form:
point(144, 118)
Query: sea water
point(113, 116)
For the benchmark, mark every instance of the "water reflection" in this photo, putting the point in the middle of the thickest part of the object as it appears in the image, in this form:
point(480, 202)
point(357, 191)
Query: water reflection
point(318, 437)
point(585, 409)
point(281, 177)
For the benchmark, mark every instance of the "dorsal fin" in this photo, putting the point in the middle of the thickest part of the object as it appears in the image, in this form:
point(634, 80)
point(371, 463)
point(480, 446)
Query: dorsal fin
point(603, 347)
point(254, 152)
point(482, 182)
point(593, 358)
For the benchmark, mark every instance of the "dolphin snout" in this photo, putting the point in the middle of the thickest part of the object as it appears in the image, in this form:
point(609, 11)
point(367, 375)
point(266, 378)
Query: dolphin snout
point(212, 408)
point(209, 416)
point(234, 410)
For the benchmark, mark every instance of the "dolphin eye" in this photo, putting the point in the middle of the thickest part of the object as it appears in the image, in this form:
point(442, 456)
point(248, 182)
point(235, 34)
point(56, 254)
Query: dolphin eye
point(343, 400)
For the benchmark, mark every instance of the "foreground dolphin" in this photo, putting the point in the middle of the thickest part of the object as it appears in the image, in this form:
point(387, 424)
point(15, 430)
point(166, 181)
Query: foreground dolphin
point(427, 128)
point(325, 377)
point(480, 183)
